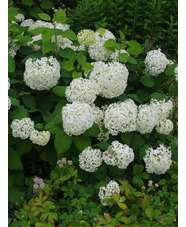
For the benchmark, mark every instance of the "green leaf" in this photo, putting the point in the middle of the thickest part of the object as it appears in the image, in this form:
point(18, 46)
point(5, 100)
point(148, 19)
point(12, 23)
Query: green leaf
point(46, 4)
point(76, 75)
point(81, 58)
point(142, 152)
point(19, 113)
point(16, 196)
point(123, 206)
point(122, 36)
point(29, 101)
point(134, 97)
point(15, 102)
point(132, 60)
point(145, 176)
point(66, 53)
point(103, 145)
point(62, 142)
point(137, 141)
point(111, 44)
point(27, 2)
point(150, 213)
point(127, 137)
point(93, 131)
point(69, 65)
point(124, 57)
point(24, 147)
point(14, 160)
point(81, 142)
point(147, 81)
point(44, 16)
point(69, 34)
point(137, 169)
point(137, 181)
point(11, 64)
point(158, 96)
point(60, 16)
point(47, 34)
point(170, 70)
point(11, 13)
point(59, 90)
point(162, 182)
point(48, 46)
point(87, 66)
point(135, 48)
point(115, 197)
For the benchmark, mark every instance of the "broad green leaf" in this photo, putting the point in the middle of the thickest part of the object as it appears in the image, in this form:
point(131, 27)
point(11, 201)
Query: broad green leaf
point(127, 137)
point(111, 44)
point(59, 90)
point(44, 16)
point(93, 131)
point(150, 213)
point(47, 34)
point(29, 101)
point(123, 206)
point(124, 57)
point(11, 64)
point(103, 145)
point(23, 39)
point(135, 48)
point(137, 181)
point(69, 65)
point(81, 58)
point(145, 176)
point(158, 96)
point(15, 102)
point(147, 81)
point(137, 141)
point(170, 70)
point(132, 60)
point(62, 142)
point(24, 147)
point(11, 13)
point(69, 34)
point(122, 36)
point(60, 16)
point(87, 66)
point(134, 97)
point(45, 4)
point(138, 169)
point(76, 75)
point(14, 160)
point(48, 46)
point(142, 152)
point(27, 2)
point(19, 113)
point(162, 182)
point(81, 142)
point(66, 53)
point(16, 196)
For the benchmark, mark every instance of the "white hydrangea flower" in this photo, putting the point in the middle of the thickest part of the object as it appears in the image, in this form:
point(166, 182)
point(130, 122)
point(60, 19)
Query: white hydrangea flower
point(90, 159)
point(78, 48)
point(34, 46)
point(82, 90)
point(86, 37)
point(20, 17)
point(9, 103)
point(22, 128)
point(176, 73)
point(62, 42)
point(106, 192)
point(77, 118)
point(13, 47)
point(121, 117)
point(62, 27)
point(27, 23)
point(119, 155)
point(164, 108)
point(8, 83)
point(158, 160)
point(42, 74)
point(147, 118)
point(97, 51)
point(40, 138)
point(156, 62)
point(40, 24)
point(165, 126)
point(111, 77)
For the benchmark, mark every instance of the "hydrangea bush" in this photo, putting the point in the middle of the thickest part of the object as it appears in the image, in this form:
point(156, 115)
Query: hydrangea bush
point(92, 119)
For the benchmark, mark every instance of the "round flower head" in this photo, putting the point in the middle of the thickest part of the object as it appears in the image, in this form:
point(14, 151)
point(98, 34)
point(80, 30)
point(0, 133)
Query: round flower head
point(41, 24)
point(97, 51)
point(90, 159)
point(9, 103)
point(77, 118)
point(20, 17)
point(86, 37)
point(164, 108)
point(176, 73)
point(62, 42)
point(82, 90)
point(147, 118)
point(156, 62)
point(27, 23)
point(111, 78)
point(106, 192)
point(118, 155)
point(165, 126)
point(42, 74)
point(158, 160)
point(22, 128)
point(121, 117)
point(40, 138)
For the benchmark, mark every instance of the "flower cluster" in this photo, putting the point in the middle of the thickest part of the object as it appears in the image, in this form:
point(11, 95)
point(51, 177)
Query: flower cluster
point(40, 24)
point(13, 47)
point(86, 37)
point(112, 78)
point(27, 23)
point(147, 118)
point(121, 117)
point(77, 118)
point(32, 43)
point(119, 155)
point(22, 128)
point(82, 90)
point(158, 160)
point(40, 138)
point(165, 127)
point(63, 162)
point(156, 62)
point(9, 103)
point(42, 74)
point(62, 42)
point(106, 192)
point(90, 159)
point(20, 17)
point(38, 183)
point(176, 73)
